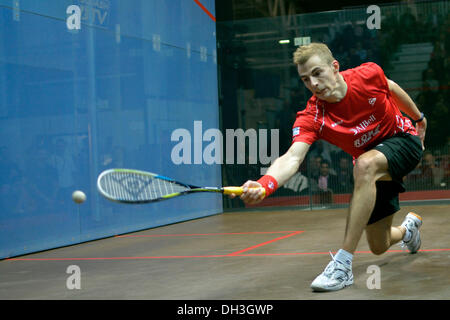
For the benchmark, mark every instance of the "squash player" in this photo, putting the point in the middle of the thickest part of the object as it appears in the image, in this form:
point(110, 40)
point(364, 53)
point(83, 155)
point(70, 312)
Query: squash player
point(360, 111)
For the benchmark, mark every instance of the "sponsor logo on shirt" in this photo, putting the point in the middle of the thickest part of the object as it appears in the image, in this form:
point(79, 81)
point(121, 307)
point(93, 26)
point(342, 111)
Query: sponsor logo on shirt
point(372, 101)
point(403, 124)
point(296, 131)
point(366, 137)
point(363, 125)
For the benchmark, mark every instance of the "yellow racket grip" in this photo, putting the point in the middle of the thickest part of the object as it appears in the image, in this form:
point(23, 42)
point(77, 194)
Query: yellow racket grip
point(239, 190)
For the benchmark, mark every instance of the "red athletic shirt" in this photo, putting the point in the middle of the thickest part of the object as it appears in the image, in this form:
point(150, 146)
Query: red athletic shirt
point(362, 119)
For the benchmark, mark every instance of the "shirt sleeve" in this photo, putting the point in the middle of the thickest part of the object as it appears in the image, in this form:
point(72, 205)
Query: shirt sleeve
point(374, 74)
point(304, 128)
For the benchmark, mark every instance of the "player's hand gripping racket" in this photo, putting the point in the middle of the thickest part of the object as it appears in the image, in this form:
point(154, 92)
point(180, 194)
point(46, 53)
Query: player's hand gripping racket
point(134, 186)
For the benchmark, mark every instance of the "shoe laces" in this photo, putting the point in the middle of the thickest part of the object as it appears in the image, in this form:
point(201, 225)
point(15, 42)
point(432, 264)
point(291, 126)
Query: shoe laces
point(410, 224)
point(333, 266)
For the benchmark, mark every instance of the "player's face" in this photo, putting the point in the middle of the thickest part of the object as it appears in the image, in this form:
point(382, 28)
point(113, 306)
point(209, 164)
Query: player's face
point(320, 77)
point(324, 169)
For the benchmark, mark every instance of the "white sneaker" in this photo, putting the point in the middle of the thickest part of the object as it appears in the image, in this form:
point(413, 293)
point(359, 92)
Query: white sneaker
point(336, 276)
point(412, 224)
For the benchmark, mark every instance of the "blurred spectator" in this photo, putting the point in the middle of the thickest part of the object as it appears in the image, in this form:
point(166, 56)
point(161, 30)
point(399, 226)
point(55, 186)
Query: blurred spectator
point(432, 174)
point(326, 184)
point(434, 19)
point(297, 183)
point(42, 180)
point(63, 161)
point(10, 188)
point(408, 27)
point(445, 163)
point(361, 52)
point(326, 180)
point(354, 58)
point(314, 167)
point(344, 174)
point(324, 150)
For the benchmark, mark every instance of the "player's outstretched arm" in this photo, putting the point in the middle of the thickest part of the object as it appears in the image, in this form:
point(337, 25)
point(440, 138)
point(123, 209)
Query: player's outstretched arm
point(279, 173)
point(407, 105)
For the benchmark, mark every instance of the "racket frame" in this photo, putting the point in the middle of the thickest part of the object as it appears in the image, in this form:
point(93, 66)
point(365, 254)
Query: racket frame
point(190, 188)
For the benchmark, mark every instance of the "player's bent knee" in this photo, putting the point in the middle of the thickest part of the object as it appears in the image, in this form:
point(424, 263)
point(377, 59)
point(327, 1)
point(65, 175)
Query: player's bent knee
point(363, 170)
point(378, 250)
point(369, 167)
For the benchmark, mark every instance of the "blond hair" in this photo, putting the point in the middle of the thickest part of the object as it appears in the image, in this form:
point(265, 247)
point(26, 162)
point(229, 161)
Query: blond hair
point(303, 53)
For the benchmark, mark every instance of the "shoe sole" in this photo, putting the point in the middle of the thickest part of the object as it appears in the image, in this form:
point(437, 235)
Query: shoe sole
point(418, 246)
point(321, 289)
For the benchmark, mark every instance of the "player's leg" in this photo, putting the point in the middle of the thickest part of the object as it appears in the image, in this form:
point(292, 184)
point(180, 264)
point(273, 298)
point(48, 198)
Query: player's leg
point(379, 231)
point(392, 159)
point(381, 235)
point(370, 167)
point(403, 153)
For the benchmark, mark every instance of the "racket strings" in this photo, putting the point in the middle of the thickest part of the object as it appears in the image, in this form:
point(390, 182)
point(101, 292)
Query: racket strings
point(128, 186)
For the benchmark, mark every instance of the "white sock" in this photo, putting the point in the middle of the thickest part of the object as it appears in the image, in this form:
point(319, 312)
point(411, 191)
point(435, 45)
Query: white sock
point(344, 257)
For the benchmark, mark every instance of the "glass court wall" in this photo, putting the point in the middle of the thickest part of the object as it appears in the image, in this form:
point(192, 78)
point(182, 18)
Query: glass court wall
point(259, 88)
point(87, 85)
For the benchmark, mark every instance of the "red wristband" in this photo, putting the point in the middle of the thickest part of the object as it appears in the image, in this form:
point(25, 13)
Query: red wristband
point(269, 184)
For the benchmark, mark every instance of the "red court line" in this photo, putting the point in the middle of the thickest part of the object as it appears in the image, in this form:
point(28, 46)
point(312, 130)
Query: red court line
point(197, 234)
point(291, 233)
point(204, 256)
point(206, 10)
point(265, 243)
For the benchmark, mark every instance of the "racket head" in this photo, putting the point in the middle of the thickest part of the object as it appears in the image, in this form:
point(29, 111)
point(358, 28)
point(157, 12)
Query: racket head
point(136, 186)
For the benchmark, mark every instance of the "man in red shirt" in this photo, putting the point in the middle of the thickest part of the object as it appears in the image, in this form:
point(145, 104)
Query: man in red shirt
point(360, 111)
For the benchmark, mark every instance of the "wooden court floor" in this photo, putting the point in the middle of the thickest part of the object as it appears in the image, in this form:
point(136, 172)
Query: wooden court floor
point(253, 255)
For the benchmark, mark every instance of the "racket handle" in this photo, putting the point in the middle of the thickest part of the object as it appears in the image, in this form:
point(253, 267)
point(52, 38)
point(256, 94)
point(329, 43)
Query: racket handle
point(239, 190)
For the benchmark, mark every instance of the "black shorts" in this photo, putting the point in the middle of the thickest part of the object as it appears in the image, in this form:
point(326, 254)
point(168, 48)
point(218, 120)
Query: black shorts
point(403, 152)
